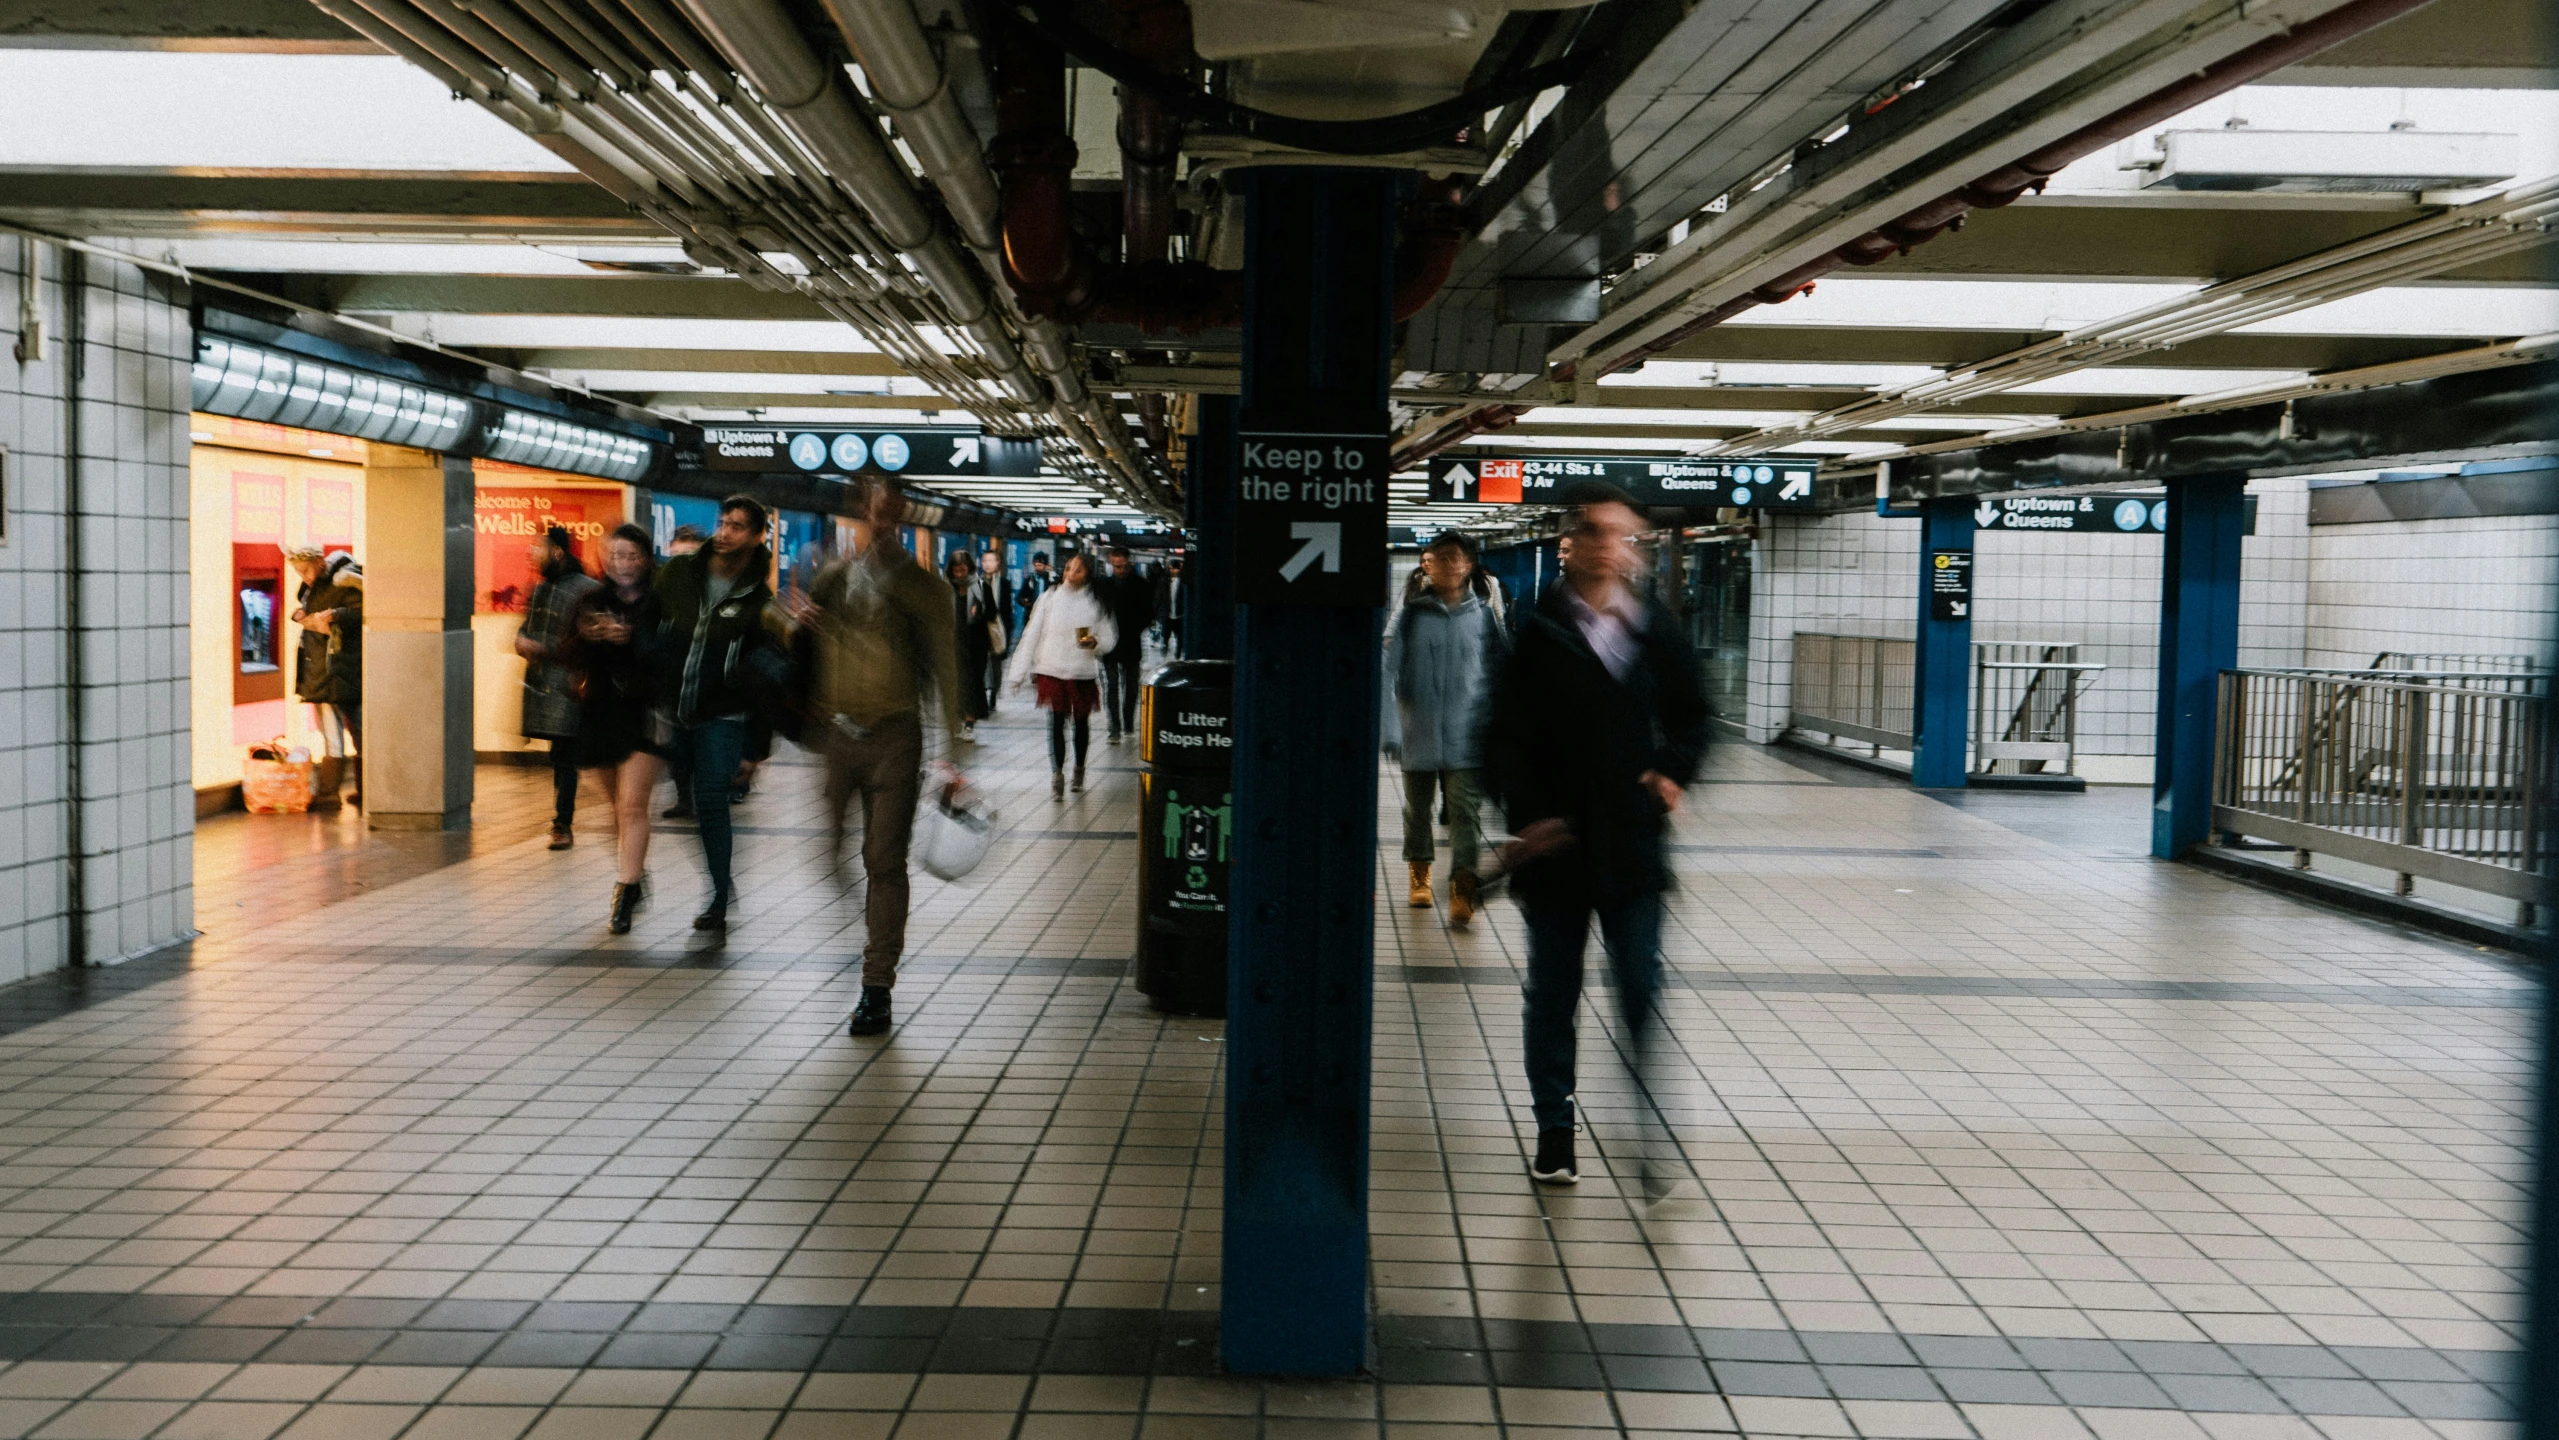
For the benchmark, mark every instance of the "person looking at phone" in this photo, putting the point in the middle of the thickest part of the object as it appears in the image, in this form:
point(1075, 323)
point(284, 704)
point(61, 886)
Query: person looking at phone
point(1061, 648)
point(1596, 729)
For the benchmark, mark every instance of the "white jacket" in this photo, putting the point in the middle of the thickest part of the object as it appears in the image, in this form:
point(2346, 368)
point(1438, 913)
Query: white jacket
point(1048, 647)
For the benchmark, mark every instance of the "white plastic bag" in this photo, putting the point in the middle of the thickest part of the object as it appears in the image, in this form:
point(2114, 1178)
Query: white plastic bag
point(953, 832)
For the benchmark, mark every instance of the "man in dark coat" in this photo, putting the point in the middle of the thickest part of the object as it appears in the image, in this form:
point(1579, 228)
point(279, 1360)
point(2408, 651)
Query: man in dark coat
point(550, 687)
point(711, 613)
point(1596, 729)
point(1131, 602)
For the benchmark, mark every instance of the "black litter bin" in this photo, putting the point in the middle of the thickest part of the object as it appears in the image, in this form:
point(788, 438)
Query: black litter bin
point(1186, 831)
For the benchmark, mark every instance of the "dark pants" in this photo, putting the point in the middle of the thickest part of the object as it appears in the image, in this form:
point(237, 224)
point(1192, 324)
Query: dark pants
point(711, 752)
point(883, 769)
point(564, 782)
point(1119, 686)
point(1557, 932)
point(975, 660)
point(1057, 722)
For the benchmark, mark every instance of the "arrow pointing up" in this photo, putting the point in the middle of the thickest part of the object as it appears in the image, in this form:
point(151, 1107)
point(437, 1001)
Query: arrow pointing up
point(1985, 514)
point(1460, 479)
point(1323, 541)
point(1797, 487)
point(964, 450)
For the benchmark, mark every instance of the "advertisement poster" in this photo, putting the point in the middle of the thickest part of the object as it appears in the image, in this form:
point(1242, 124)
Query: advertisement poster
point(508, 519)
point(257, 509)
point(328, 513)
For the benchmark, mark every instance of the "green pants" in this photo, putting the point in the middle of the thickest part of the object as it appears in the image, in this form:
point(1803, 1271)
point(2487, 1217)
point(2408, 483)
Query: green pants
point(1465, 837)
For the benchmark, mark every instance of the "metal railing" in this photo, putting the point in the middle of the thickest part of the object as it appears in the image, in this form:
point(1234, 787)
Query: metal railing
point(1854, 687)
point(2026, 704)
point(2425, 774)
point(1863, 687)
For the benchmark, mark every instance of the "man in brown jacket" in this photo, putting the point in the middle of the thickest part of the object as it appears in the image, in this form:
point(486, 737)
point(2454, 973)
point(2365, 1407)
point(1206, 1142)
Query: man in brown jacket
point(885, 638)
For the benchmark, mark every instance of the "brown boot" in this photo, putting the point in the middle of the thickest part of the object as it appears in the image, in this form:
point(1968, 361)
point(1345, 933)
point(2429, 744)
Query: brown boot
point(325, 780)
point(1420, 896)
point(1463, 899)
point(355, 780)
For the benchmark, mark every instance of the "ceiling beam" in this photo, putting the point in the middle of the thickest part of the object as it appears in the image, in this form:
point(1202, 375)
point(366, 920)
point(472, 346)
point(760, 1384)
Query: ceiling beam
point(2459, 44)
point(637, 296)
point(1893, 345)
point(730, 362)
point(289, 27)
point(2147, 236)
point(158, 202)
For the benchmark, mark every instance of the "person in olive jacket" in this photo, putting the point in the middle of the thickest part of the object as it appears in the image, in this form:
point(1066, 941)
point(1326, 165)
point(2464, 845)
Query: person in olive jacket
point(711, 614)
point(328, 664)
point(1596, 729)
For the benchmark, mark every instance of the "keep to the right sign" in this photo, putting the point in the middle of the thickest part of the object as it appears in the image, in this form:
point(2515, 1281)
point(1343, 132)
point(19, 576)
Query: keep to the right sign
point(1310, 519)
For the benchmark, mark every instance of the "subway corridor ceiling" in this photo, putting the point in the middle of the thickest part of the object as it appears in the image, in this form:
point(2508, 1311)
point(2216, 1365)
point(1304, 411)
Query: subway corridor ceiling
point(1836, 229)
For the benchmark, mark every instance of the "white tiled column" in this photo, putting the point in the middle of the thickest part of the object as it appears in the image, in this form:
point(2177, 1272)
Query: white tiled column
point(417, 640)
point(136, 809)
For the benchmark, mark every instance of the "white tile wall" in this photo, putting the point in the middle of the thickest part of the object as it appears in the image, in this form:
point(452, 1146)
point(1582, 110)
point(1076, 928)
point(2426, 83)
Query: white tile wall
point(1860, 572)
point(137, 807)
point(2487, 585)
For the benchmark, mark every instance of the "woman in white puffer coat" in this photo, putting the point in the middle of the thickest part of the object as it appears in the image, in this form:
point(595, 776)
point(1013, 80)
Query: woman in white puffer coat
point(1062, 648)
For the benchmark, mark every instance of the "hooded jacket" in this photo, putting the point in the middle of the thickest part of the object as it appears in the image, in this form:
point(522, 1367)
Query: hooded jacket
point(329, 664)
point(1441, 662)
point(697, 646)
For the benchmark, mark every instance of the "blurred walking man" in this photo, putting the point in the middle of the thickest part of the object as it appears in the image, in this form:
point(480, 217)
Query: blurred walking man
point(1596, 729)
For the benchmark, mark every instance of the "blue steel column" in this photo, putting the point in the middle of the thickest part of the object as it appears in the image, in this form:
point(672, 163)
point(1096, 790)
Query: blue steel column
point(1208, 502)
point(1941, 687)
point(2198, 639)
point(1318, 278)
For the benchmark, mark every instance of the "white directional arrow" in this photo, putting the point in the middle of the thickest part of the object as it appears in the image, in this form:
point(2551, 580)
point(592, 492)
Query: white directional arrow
point(1323, 542)
point(964, 450)
point(1798, 487)
point(1460, 479)
point(1985, 514)
point(1958, 607)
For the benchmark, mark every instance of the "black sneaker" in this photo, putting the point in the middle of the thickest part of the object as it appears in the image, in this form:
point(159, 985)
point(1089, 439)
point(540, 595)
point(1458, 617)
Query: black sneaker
point(871, 1016)
point(681, 810)
point(1554, 1162)
point(714, 918)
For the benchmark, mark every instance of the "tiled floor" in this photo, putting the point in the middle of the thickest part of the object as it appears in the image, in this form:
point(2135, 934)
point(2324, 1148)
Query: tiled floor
point(1991, 1128)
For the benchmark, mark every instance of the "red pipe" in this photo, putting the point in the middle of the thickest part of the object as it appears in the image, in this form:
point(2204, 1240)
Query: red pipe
point(1159, 33)
point(1434, 233)
point(1034, 158)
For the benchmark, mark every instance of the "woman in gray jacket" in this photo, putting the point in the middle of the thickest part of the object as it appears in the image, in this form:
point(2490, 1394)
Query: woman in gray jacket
point(1443, 650)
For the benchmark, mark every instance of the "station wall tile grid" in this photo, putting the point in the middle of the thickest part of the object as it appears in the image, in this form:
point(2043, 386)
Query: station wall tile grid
point(136, 802)
point(1858, 573)
point(1981, 1135)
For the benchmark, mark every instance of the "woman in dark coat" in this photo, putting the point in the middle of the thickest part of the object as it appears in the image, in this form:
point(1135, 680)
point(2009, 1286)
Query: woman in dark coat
point(970, 618)
point(621, 728)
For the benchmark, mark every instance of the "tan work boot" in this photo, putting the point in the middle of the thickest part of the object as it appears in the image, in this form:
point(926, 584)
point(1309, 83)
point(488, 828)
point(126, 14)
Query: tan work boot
point(1463, 898)
point(1420, 899)
point(325, 780)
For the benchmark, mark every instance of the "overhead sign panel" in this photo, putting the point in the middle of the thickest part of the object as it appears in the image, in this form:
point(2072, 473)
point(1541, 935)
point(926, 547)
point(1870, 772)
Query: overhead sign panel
point(1743, 482)
point(2086, 514)
point(1310, 519)
point(904, 450)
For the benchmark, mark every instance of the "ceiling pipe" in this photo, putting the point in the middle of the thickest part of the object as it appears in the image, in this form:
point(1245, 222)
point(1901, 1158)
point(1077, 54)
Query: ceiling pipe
point(2031, 171)
point(759, 41)
point(1998, 188)
point(908, 79)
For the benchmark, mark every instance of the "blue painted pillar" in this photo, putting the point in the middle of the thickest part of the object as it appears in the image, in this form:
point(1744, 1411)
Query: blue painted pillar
point(1318, 281)
point(1941, 688)
point(1208, 502)
point(2198, 639)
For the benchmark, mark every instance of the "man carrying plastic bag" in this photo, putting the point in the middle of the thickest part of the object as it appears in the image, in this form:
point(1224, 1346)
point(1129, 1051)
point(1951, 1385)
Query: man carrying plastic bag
point(885, 636)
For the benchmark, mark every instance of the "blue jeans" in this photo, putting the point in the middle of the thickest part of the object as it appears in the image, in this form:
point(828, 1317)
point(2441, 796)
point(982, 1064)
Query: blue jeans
point(1557, 932)
point(711, 752)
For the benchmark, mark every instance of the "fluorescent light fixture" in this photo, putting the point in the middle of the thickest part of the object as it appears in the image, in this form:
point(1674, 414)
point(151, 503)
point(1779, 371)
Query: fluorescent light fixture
point(523, 438)
point(249, 383)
